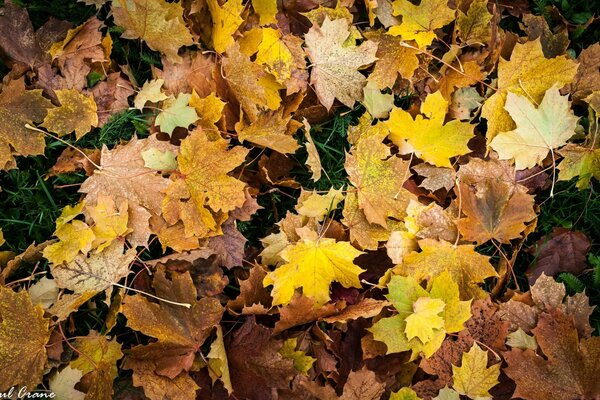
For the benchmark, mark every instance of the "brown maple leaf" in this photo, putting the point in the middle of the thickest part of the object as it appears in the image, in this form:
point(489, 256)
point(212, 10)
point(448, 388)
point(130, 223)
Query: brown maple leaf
point(495, 205)
point(570, 369)
point(180, 331)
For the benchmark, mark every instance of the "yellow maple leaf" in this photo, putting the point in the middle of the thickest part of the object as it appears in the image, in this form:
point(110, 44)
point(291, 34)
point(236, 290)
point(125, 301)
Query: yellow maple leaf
point(315, 205)
point(424, 316)
point(159, 23)
point(313, 265)
point(539, 130)
point(529, 74)
point(23, 337)
point(378, 180)
point(336, 63)
point(581, 162)
point(273, 53)
point(266, 10)
point(217, 360)
point(150, 92)
point(77, 112)
point(209, 110)
point(204, 182)
point(474, 27)
point(473, 378)
point(225, 21)
point(425, 319)
point(73, 237)
point(467, 267)
point(427, 136)
point(272, 130)
point(253, 87)
point(393, 58)
point(110, 221)
point(419, 22)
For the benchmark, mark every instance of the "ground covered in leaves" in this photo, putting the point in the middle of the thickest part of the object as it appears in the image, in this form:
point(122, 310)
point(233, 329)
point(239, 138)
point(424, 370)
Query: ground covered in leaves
point(307, 199)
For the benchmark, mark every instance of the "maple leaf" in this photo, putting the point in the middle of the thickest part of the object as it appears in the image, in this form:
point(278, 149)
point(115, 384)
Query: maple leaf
point(313, 160)
point(275, 55)
point(176, 112)
point(180, 331)
point(302, 362)
point(424, 317)
point(378, 179)
point(393, 59)
point(73, 237)
point(419, 22)
point(94, 273)
point(98, 363)
point(467, 267)
point(570, 369)
point(580, 162)
point(153, 21)
point(362, 385)
point(528, 73)
point(496, 206)
point(547, 295)
point(19, 107)
point(587, 79)
point(209, 110)
point(332, 260)
point(150, 92)
point(377, 104)
point(158, 387)
point(204, 166)
point(159, 160)
point(251, 85)
point(562, 250)
point(272, 130)
point(225, 22)
point(473, 378)
point(335, 65)
point(266, 9)
point(255, 364)
point(110, 222)
point(23, 337)
point(124, 176)
point(427, 136)
point(315, 205)
point(539, 130)
point(474, 26)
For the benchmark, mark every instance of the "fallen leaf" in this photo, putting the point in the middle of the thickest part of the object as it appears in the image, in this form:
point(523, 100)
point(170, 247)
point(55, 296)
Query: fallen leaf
point(225, 22)
point(473, 378)
point(94, 273)
point(333, 260)
point(23, 337)
point(539, 130)
point(528, 73)
point(150, 92)
point(427, 136)
point(335, 66)
point(19, 107)
point(495, 205)
point(569, 370)
point(562, 250)
point(176, 112)
point(378, 179)
point(467, 267)
point(419, 21)
point(180, 331)
point(153, 21)
point(580, 162)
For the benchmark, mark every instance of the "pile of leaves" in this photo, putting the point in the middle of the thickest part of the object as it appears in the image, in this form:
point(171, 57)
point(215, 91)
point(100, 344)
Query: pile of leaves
point(226, 249)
